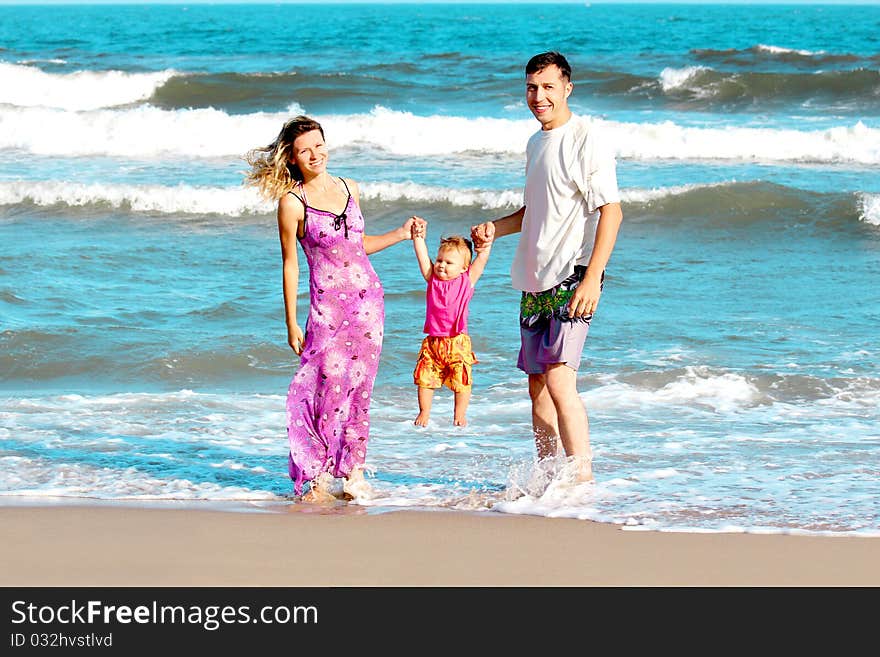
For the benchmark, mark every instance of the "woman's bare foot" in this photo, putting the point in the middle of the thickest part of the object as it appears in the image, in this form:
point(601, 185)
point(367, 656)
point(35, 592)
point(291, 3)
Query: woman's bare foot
point(460, 421)
point(422, 419)
point(319, 491)
point(355, 486)
point(318, 496)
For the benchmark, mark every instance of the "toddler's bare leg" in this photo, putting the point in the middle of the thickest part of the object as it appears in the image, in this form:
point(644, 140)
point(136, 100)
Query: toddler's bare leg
point(462, 399)
point(426, 396)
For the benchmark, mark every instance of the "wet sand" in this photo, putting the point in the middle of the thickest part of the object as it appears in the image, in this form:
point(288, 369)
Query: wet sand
point(301, 545)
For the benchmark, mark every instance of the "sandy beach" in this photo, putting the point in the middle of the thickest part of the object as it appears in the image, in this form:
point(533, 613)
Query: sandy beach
point(301, 545)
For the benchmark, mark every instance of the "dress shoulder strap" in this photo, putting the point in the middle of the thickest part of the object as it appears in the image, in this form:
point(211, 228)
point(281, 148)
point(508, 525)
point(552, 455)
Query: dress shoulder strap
point(301, 199)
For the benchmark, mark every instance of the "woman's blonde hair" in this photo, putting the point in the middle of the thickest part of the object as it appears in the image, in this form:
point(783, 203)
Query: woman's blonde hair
point(273, 171)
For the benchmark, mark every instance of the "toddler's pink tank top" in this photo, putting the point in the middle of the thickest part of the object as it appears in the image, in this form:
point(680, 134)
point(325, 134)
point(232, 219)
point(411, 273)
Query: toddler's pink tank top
point(447, 305)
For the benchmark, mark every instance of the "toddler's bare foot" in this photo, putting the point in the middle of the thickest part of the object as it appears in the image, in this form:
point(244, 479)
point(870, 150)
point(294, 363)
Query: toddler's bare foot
point(460, 421)
point(422, 419)
point(319, 491)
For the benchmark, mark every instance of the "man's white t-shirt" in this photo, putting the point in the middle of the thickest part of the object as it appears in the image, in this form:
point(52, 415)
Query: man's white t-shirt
point(570, 174)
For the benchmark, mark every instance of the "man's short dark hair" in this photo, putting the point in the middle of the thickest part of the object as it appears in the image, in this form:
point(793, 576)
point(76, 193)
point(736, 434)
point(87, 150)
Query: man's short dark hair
point(552, 58)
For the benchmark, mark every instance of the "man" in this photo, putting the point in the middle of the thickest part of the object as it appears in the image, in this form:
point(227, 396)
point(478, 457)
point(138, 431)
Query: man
point(568, 227)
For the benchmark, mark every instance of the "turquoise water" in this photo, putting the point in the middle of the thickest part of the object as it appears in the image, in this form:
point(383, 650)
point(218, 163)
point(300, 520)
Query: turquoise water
point(730, 376)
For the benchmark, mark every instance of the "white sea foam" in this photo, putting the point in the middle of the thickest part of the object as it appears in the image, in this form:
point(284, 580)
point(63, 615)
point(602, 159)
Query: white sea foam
point(28, 86)
point(405, 133)
point(139, 132)
point(445, 447)
point(778, 50)
point(35, 477)
point(869, 208)
point(239, 201)
point(241, 422)
point(152, 132)
point(53, 60)
point(180, 199)
point(667, 140)
point(229, 464)
point(488, 199)
point(656, 193)
point(188, 445)
point(720, 392)
point(663, 473)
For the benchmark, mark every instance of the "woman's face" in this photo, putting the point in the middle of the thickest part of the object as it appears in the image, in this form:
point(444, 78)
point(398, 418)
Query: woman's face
point(310, 154)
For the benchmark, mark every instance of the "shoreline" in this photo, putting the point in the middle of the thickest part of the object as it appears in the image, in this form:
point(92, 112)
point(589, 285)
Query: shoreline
point(301, 545)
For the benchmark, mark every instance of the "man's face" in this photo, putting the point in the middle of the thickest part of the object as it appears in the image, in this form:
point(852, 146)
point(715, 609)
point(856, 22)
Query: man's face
point(547, 96)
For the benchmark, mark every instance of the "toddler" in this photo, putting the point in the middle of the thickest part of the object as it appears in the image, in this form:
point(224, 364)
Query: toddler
point(446, 356)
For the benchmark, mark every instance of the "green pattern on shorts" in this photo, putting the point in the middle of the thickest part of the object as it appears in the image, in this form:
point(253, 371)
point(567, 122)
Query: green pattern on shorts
point(543, 303)
point(537, 307)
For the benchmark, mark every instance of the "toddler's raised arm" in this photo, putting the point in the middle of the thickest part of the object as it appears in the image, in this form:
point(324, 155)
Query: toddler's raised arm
point(479, 264)
point(419, 231)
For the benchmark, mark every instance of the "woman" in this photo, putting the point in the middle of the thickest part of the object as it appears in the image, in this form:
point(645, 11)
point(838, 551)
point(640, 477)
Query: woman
point(328, 402)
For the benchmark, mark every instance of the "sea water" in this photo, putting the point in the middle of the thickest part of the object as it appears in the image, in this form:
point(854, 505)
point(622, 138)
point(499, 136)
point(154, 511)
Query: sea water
point(731, 373)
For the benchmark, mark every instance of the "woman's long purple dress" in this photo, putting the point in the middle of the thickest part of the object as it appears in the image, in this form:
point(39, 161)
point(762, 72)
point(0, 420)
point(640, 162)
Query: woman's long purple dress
point(328, 402)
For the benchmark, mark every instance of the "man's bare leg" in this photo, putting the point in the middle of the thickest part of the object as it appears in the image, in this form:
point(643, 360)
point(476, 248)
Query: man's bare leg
point(574, 428)
point(544, 420)
point(426, 396)
point(462, 399)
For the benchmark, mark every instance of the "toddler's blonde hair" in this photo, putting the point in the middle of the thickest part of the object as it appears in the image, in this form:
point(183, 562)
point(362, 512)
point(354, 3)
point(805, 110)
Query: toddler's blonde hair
point(461, 244)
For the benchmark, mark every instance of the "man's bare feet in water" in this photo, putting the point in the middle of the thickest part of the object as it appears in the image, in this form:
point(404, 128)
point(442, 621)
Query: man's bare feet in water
point(355, 486)
point(319, 491)
point(422, 419)
point(583, 469)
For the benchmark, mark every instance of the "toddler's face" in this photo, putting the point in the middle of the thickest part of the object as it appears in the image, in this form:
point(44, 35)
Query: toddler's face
point(449, 264)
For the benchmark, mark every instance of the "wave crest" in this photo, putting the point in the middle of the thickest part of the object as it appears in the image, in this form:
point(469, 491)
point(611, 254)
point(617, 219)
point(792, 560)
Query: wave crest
point(154, 132)
point(771, 53)
point(29, 86)
point(869, 206)
point(703, 86)
point(679, 201)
